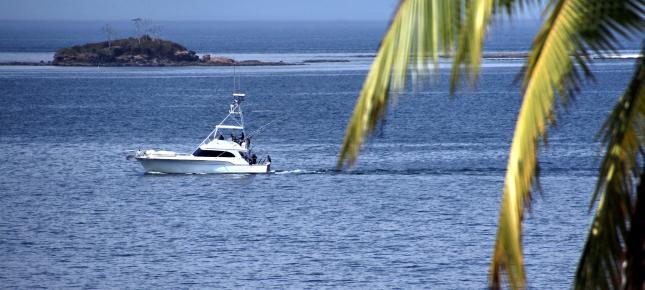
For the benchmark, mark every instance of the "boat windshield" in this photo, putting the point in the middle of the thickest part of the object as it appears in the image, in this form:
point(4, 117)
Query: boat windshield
point(212, 153)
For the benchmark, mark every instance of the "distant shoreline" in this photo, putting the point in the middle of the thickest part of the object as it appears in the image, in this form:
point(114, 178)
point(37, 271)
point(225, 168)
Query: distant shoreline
point(324, 58)
point(524, 55)
point(186, 64)
point(26, 63)
point(144, 51)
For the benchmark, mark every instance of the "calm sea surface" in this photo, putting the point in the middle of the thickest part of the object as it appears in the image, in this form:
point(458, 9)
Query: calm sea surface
point(418, 211)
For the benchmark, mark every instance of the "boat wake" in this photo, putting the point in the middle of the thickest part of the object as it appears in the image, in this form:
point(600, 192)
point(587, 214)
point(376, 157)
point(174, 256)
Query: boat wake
point(409, 171)
point(497, 171)
point(299, 171)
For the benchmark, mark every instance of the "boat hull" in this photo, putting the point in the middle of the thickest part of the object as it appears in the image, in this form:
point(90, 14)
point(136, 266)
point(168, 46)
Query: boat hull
point(152, 165)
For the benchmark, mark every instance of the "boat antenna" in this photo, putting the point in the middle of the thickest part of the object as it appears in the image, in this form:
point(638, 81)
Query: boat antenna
point(236, 80)
point(234, 76)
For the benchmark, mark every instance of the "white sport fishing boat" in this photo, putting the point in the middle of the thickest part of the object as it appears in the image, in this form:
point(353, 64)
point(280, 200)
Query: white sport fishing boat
point(225, 150)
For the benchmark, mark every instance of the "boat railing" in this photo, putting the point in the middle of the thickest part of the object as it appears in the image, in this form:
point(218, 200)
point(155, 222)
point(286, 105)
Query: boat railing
point(235, 109)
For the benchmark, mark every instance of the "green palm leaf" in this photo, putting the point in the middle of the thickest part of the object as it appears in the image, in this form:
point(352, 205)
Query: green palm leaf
point(549, 64)
point(624, 134)
point(550, 74)
point(474, 28)
point(420, 31)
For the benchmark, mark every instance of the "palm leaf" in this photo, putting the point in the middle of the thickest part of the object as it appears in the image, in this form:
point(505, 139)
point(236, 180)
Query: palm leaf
point(474, 28)
point(420, 31)
point(550, 74)
point(548, 65)
point(624, 136)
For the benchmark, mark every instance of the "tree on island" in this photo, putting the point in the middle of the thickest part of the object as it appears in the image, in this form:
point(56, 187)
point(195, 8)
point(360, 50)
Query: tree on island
point(139, 24)
point(421, 30)
point(145, 28)
point(109, 34)
point(154, 32)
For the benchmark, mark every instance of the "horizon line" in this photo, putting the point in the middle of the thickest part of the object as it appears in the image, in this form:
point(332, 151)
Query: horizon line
point(221, 20)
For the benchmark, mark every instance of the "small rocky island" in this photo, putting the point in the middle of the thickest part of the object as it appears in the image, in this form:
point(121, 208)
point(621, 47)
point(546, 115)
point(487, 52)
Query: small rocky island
point(142, 51)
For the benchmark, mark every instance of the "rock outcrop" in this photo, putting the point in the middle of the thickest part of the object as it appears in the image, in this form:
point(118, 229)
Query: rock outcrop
point(143, 51)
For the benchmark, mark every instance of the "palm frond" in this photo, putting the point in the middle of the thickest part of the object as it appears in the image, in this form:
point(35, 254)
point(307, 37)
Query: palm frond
point(550, 74)
point(548, 65)
point(624, 135)
point(471, 37)
point(419, 33)
point(635, 252)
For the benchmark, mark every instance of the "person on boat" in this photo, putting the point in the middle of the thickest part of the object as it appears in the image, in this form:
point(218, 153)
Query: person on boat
point(220, 137)
point(254, 159)
point(238, 140)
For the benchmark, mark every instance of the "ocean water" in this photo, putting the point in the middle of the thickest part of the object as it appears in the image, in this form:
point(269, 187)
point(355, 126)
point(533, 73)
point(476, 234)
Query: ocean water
point(418, 211)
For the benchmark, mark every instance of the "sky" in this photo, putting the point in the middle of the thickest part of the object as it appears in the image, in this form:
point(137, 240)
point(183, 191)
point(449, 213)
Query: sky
point(225, 10)
point(197, 9)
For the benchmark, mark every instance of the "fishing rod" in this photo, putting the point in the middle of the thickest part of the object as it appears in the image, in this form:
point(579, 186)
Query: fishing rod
point(259, 130)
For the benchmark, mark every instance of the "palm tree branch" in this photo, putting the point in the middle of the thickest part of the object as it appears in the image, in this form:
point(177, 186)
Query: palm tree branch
point(624, 136)
point(548, 65)
point(471, 38)
point(420, 30)
point(558, 52)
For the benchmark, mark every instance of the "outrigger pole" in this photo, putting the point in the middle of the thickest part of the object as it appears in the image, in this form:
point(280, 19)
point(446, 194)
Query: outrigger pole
point(235, 108)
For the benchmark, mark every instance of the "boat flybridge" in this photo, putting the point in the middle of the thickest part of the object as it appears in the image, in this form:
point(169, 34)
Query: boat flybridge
point(225, 150)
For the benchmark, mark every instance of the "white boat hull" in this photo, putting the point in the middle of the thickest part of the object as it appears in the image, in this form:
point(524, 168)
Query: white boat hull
point(167, 165)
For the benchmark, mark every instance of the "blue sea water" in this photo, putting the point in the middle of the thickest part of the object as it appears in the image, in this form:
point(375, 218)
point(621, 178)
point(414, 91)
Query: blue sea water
point(236, 37)
point(418, 211)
